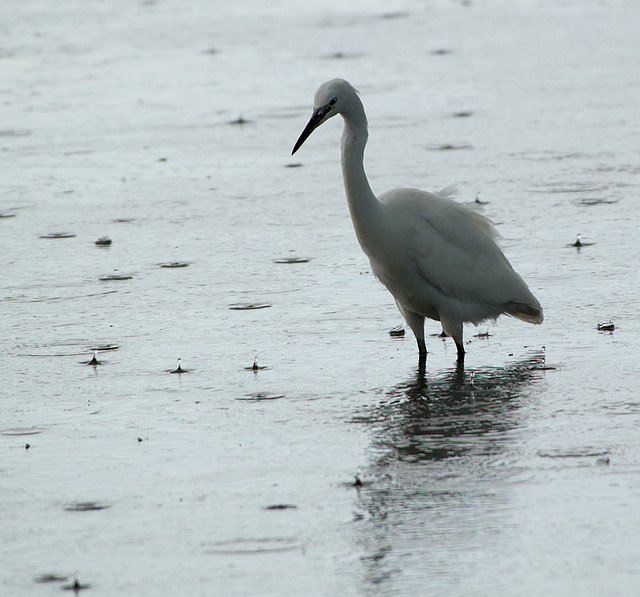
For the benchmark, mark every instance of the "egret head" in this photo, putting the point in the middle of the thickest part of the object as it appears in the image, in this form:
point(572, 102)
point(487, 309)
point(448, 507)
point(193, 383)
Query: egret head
point(332, 97)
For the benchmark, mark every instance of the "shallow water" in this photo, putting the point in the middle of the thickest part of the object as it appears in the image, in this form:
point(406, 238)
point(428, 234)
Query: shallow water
point(335, 466)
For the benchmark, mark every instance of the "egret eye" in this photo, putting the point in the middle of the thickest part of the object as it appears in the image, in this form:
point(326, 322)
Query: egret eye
point(333, 101)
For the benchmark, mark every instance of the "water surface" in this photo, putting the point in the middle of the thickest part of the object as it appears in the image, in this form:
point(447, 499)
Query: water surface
point(336, 465)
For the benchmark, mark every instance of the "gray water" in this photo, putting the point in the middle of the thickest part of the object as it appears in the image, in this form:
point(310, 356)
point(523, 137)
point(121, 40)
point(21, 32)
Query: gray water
point(337, 466)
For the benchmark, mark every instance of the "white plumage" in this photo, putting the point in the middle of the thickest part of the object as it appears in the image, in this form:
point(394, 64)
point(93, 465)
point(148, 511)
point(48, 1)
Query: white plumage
point(437, 257)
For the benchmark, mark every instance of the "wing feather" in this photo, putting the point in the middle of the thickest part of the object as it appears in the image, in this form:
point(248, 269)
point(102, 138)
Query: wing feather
point(453, 250)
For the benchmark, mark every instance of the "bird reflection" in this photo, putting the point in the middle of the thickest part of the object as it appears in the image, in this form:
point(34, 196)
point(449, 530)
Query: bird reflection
point(457, 412)
point(441, 468)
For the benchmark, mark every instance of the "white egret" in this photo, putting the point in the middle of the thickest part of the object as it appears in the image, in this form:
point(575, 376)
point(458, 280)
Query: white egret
point(437, 257)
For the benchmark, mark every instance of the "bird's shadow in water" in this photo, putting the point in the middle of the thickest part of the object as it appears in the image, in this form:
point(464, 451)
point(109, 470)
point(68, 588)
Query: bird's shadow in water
point(451, 413)
point(440, 466)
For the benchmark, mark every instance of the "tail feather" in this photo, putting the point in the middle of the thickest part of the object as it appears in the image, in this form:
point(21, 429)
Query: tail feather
point(528, 313)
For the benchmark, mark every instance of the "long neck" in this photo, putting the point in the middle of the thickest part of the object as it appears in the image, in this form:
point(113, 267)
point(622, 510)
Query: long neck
point(363, 204)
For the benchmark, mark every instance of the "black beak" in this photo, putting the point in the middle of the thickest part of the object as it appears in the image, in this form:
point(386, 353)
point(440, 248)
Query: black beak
point(316, 120)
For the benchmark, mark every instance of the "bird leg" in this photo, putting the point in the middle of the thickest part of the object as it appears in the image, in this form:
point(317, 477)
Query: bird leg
point(454, 329)
point(416, 323)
